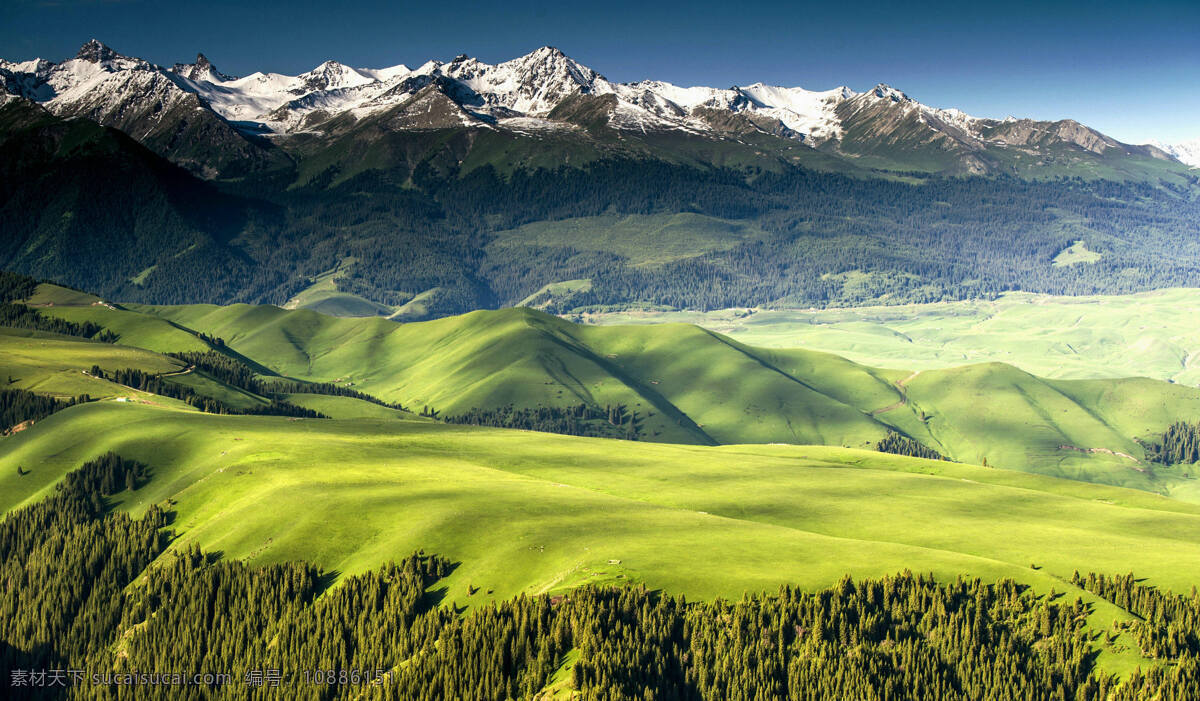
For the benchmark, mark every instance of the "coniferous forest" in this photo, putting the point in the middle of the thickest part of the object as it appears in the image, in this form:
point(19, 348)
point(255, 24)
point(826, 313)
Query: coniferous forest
point(236, 373)
point(84, 608)
point(898, 444)
point(1180, 443)
point(578, 420)
point(156, 384)
point(20, 316)
point(18, 406)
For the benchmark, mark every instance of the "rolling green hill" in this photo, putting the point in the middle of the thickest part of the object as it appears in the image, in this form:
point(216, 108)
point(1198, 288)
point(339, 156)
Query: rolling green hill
point(689, 385)
point(530, 512)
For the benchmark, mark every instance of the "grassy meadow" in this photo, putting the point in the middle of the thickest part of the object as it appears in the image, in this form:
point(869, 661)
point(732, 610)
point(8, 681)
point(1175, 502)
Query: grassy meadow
point(532, 512)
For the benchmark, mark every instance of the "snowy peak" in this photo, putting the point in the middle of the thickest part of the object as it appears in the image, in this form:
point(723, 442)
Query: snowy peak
point(887, 92)
point(533, 84)
point(201, 70)
point(548, 64)
point(330, 75)
point(95, 52)
point(1187, 152)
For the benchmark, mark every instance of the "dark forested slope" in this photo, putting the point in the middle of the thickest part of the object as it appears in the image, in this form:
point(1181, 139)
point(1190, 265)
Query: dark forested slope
point(88, 206)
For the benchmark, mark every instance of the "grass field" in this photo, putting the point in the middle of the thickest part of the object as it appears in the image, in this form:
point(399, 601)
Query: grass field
point(554, 290)
point(324, 296)
point(347, 407)
point(1075, 254)
point(529, 512)
point(690, 385)
point(1150, 334)
point(645, 239)
point(55, 365)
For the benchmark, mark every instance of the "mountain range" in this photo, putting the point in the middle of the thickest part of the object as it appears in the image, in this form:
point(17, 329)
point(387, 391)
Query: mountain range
point(178, 110)
point(421, 192)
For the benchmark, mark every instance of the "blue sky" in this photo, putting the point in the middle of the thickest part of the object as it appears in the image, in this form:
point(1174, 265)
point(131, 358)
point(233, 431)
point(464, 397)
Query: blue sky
point(1131, 70)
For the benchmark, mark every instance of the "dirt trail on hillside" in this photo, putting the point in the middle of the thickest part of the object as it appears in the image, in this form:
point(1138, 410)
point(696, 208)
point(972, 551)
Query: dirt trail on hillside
point(1105, 451)
point(903, 398)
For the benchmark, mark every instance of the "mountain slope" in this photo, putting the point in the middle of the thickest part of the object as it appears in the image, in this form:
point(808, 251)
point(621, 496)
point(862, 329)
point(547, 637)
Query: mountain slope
point(89, 199)
point(150, 104)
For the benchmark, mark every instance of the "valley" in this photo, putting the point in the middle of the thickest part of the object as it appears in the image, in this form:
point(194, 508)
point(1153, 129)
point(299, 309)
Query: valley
point(753, 467)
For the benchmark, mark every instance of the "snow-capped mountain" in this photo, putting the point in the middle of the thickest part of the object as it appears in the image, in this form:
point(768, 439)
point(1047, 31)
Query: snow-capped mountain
point(201, 70)
point(158, 107)
point(174, 109)
point(1187, 152)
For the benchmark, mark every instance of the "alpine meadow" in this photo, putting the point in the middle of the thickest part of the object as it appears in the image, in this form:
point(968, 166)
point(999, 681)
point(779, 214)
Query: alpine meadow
point(503, 380)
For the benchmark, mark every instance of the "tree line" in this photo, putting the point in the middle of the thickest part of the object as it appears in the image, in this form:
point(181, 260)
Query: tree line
point(15, 287)
point(234, 372)
point(1168, 625)
point(83, 595)
point(156, 384)
point(609, 421)
point(900, 444)
point(18, 406)
point(20, 316)
point(1180, 443)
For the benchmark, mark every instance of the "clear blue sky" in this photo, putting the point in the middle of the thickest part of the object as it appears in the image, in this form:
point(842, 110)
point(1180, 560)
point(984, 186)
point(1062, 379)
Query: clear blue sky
point(1129, 69)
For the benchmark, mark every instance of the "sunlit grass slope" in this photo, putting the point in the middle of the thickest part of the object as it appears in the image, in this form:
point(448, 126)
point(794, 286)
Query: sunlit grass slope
point(695, 386)
point(55, 365)
point(346, 407)
point(530, 512)
point(690, 385)
point(324, 296)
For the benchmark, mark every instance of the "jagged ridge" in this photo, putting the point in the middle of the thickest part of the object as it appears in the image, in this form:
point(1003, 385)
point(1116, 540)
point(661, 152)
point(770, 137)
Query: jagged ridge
point(165, 107)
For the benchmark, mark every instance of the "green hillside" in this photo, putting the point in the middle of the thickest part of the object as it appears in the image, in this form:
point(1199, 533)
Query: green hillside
point(55, 365)
point(749, 471)
point(689, 385)
point(324, 296)
point(529, 512)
